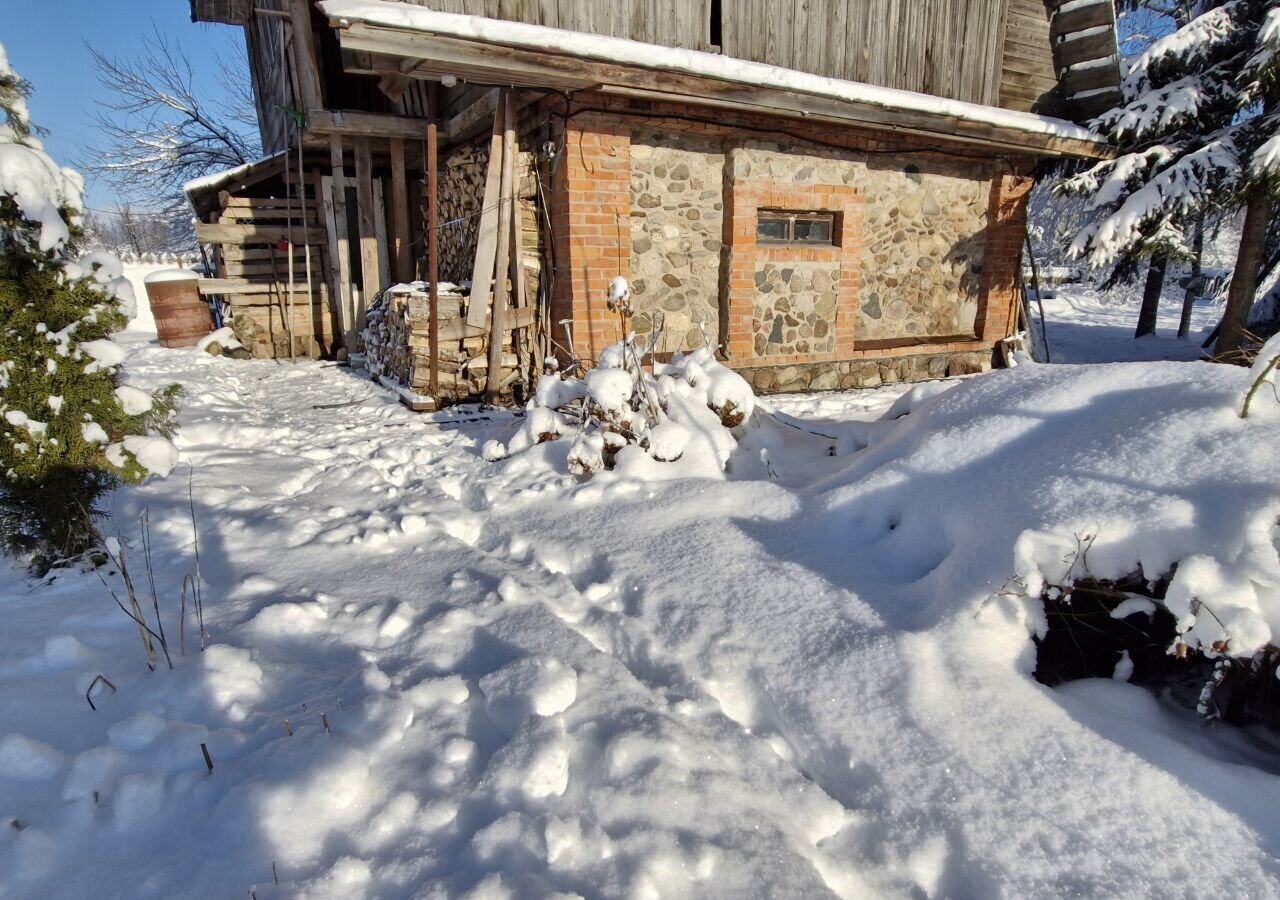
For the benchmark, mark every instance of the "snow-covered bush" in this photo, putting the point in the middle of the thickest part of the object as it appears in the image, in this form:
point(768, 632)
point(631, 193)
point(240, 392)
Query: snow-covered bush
point(618, 414)
point(68, 429)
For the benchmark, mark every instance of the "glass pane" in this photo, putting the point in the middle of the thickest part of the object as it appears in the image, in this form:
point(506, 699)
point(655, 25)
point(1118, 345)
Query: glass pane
point(814, 231)
point(773, 228)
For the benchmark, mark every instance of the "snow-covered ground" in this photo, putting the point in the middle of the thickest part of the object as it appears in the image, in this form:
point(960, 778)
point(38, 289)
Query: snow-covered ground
point(1087, 325)
point(800, 686)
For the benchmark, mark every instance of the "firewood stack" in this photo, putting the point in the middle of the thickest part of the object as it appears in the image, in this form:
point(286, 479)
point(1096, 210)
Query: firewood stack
point(461, 197)
point(397, 344)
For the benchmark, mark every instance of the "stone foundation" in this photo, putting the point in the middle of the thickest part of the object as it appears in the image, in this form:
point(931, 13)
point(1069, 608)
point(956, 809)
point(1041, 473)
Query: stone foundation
point(865, 373)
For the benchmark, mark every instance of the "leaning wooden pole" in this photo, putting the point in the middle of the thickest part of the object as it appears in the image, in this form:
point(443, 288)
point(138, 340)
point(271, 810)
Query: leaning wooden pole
point(497, 324)
point(433, 247)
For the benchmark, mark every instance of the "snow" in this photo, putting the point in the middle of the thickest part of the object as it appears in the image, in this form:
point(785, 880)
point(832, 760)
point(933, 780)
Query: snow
point(690, 62)
point(1091, 326)
point(106, 354)
point(216, 180)
point(728, 684)
point(156, 454)
point(160, 276)
point(134, 401)
point(224, 337)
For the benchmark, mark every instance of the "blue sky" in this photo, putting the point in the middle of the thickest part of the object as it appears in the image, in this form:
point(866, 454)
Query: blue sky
point(46, 41)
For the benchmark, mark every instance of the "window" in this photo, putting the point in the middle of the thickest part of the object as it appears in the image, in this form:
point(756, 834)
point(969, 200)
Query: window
point(784, 226)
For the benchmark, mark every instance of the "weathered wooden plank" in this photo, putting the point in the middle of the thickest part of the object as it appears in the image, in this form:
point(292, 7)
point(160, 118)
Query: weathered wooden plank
point(335, 208)
point(323, 122)
point(400, 214)
point(487, 235)
point(304, 55)
point(370, 255)
point(1082, 49)
point(1082, 17)
point(1074, 81)
point(380, 230)
point(218, 233)
point(506, 210)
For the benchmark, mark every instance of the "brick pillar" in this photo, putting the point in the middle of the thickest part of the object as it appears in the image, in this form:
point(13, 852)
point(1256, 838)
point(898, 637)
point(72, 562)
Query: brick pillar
point(591, 220)
point(1002, 257)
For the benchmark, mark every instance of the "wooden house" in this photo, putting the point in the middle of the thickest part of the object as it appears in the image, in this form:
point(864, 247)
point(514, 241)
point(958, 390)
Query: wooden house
point(832, 190)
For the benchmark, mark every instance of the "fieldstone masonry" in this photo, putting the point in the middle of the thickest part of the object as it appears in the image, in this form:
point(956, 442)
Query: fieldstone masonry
point(922, 281)
point(795, 308)
point(677, 216)
point(924, 232)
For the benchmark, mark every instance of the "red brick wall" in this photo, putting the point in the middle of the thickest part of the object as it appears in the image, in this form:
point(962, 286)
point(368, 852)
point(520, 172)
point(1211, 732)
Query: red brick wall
point(1002, 260)
point(591, 212)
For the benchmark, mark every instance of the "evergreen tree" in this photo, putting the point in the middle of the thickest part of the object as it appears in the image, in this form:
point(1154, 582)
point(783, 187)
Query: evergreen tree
point(69, 431)
point(1198, 135)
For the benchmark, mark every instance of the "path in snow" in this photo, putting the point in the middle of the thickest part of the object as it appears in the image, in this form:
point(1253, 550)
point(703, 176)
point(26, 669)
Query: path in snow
point(609, 688)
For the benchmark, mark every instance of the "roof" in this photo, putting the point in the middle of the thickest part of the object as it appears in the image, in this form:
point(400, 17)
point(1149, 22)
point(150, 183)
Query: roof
point(203, 191)
point(494, 51)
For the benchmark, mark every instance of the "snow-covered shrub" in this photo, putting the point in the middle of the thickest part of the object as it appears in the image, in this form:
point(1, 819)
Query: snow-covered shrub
point(620, 414)
point(68, 429)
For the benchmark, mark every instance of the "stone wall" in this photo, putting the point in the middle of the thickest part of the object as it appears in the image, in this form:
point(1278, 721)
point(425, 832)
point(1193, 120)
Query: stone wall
point(795, 308)
point(864, 372)
point(924, 231)
point(677, 220)
point(927, 260)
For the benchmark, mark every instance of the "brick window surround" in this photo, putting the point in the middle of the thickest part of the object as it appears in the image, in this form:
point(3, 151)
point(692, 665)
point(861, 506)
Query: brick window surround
point(741, 211)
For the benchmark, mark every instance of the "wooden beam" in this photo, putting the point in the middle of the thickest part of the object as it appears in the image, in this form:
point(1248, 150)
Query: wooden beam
point(362, 124)
point(304, 54)
point(218, 233)
point(328, 259)
point(470, 120)
point(1081, 18)
point(506, 207)
point(403, 268)
point(433, 245)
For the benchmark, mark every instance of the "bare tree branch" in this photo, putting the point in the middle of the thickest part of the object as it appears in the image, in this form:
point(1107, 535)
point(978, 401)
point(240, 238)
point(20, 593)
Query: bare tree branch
point(169, 124)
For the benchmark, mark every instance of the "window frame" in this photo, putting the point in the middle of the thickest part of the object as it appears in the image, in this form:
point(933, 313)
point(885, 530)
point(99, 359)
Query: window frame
point(791, 216)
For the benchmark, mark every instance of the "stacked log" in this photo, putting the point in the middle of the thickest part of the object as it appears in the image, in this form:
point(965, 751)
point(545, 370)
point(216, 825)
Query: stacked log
point(397, 343)
point(461, 196)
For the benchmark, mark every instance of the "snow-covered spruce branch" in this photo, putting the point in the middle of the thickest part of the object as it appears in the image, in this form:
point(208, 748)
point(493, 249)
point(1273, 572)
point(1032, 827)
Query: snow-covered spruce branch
point(1262, 372)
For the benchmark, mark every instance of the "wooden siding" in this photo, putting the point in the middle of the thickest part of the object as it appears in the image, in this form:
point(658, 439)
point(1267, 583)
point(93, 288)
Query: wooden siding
point(1027, 76)
point(271, 79)
point(949, 48)
point(671, 23)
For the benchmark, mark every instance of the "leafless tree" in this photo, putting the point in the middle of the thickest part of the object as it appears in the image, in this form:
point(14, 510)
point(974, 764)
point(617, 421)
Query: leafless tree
point(169, 124)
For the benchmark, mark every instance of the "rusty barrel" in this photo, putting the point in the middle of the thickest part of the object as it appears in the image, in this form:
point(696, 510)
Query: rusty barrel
point(182, 316)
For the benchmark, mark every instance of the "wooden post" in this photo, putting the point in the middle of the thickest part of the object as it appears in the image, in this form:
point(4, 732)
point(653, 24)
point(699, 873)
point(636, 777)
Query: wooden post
point(493, 382)
point(304, 56)
point(433, 245)
point(336, 213)
point(370, 264)
point(487, 232)
point(517, 265)
point(402, 268)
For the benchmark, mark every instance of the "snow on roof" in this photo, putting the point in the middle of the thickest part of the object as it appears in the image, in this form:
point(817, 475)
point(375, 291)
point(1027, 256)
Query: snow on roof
point(226, 176)
point(689, 62)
